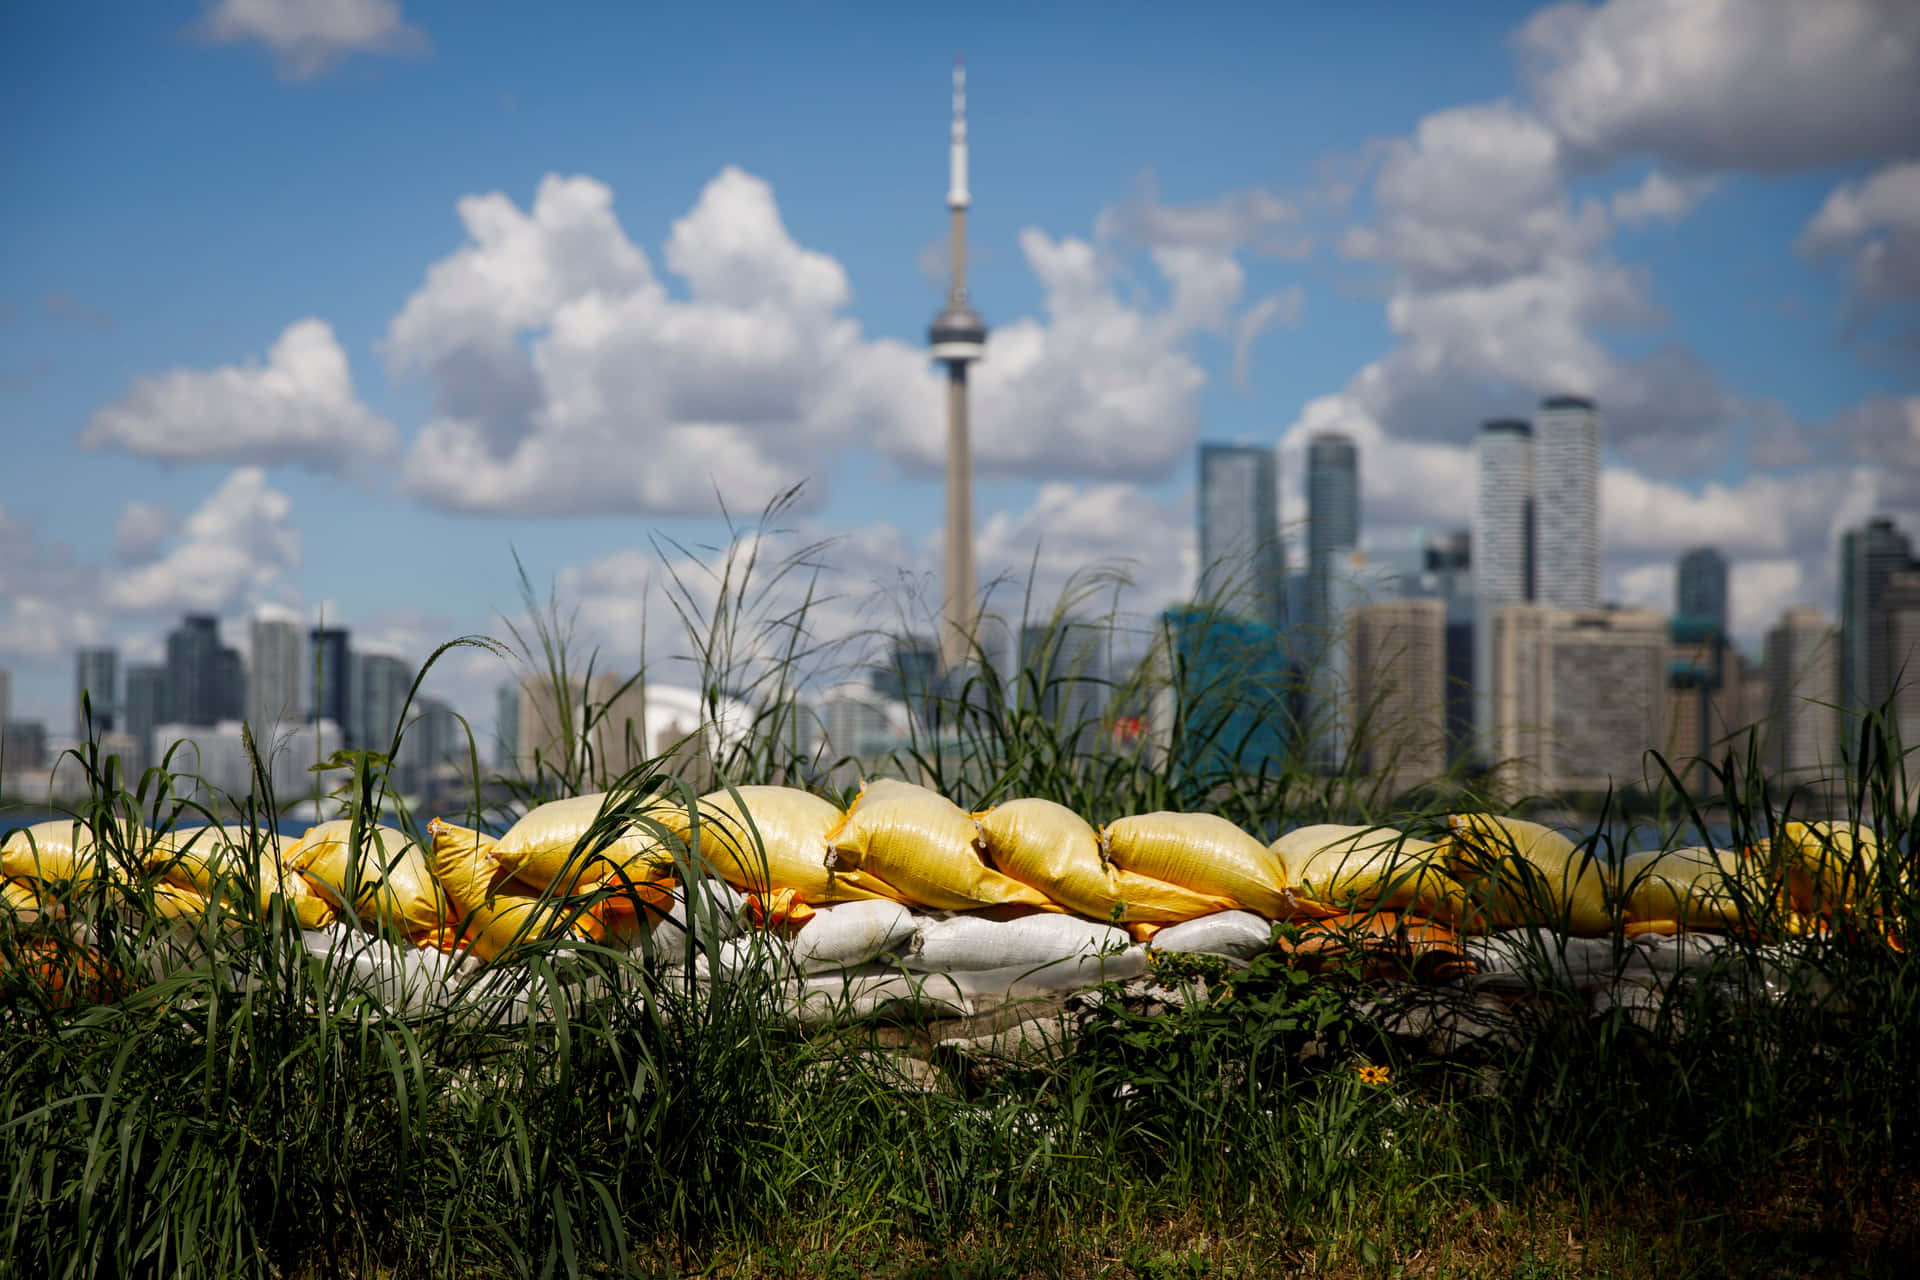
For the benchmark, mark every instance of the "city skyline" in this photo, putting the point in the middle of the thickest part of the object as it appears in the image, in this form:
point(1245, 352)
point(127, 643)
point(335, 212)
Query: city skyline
point(358, 376)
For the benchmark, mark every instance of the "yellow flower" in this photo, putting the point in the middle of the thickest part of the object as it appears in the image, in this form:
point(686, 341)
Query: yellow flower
point(1372, 1075)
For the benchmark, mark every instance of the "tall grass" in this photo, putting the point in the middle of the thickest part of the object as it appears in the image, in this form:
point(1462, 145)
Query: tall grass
point(224, 1101)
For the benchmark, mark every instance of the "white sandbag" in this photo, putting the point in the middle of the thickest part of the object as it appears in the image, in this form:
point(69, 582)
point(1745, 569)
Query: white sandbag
point(1237, 935)
point(1536, 957)
point(711, 907)
point(854, 994)
point(969, 942)
point(403, 979)
point(988, 988)
point(753, 954)
point(852, 933)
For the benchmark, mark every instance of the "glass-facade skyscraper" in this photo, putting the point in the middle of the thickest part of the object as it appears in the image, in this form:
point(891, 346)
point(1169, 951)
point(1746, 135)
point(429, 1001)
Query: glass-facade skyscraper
point(1700, 588)
point(1333, 519)
point(1869, 557)
point(1241, 559)
point(96, 681)
point(333, 680)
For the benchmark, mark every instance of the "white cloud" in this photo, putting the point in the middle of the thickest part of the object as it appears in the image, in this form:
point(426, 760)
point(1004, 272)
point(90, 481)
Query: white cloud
point(570, 379)
point(45, 596)
point(1729, 84)
point(1475, 196)
point(1660, 198)
point(309, 36)
point(1255, 219)
point(143, 528)
point(1874, 228)
point(299, 406)
point(237, 545)
point(1282, 308)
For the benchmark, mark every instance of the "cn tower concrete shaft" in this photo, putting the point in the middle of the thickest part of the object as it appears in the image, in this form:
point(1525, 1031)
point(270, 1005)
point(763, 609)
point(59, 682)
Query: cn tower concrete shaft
point(957, 619)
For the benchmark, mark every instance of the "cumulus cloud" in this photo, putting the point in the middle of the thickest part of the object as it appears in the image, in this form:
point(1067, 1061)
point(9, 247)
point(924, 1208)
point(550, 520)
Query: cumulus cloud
point(143, 528)
point(569, 377)
point(1475, 196)
point(235, 547)
point(46, 604)
point(1728, 84)
point(308, 37)
point(1873, 228)
point(1661, 198)
point(1256, 219)
point(300, 406)
point(1276, 308)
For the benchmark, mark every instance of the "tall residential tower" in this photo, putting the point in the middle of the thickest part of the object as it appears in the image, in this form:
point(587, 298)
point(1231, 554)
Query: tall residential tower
point(1567, 502)
point(1503, 567)
point(958, 338)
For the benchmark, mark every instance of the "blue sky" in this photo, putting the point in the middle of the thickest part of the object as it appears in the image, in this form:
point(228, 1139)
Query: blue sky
point(342, 303)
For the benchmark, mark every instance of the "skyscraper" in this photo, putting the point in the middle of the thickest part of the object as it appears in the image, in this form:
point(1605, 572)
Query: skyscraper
point(1869, 557)
point(96, 680)
point(333, 680)
point(273, 684)
point(1065, 669)
point(1700, 587)
point(380, 688)
point(1567, 502)
point(1399, 689)
point(1241, 560)
point(1502, 548)
point(1580, 696)
point(199, 679)
point(146, 706)
point(1333, 518)
point(1803, 679)
point(958, 337)
point(506, 729)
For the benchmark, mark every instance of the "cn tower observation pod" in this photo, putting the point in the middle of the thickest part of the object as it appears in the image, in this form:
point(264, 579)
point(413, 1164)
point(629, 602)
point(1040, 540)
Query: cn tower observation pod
point(958, 333)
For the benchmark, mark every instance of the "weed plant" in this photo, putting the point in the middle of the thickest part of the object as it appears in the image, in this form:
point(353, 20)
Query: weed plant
point(213, 1097)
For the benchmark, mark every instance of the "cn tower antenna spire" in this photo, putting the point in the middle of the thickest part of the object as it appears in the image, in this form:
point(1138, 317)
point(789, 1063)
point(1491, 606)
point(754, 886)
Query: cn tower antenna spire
point(958, 338)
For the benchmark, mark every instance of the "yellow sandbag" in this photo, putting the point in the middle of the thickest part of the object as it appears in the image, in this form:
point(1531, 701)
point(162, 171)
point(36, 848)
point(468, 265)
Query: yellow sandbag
point(1829, 864)
point(1522, 873)
point(540, 848)
point(176, 902)
point(1336, 870)
point(20, 901)
point(1049, 847)
point(201, 858)
point(491, 918)
point(63, 851)
point(790, 851)
point(1694, 889)
point(1204, 853)
point(386, 882)
point(922, 844)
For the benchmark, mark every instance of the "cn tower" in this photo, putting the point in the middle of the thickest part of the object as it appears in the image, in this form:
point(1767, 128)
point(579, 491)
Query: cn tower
point(958, 338)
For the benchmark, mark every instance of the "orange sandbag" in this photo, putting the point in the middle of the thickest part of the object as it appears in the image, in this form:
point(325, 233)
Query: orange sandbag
point(61, 972)
point(781, 911)
point(1386, 943)
point(923, 845)
point(1054, 850)
point(385, 881)
point(1204, 853)
point(763, 839)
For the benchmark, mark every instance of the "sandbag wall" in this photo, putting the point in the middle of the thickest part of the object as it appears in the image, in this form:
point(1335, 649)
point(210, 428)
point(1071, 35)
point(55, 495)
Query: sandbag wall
point(905, 896)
